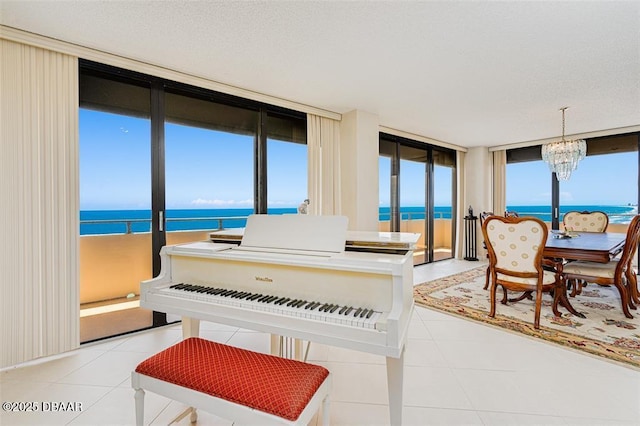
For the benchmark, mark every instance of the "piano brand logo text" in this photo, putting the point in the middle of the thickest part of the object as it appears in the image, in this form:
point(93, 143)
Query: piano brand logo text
point(264, 279)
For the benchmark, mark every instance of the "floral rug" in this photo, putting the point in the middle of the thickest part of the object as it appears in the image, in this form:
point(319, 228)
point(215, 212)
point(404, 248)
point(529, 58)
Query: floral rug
point(604, 332)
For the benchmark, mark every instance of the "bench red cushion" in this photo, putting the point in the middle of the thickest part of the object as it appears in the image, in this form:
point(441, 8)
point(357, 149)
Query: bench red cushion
point(278, 386)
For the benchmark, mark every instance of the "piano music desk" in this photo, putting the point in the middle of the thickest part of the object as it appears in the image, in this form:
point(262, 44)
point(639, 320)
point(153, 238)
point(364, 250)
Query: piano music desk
point(233, 383)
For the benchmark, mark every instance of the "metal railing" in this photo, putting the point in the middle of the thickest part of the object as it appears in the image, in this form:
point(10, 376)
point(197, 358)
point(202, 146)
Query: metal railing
point(216, 223)
point(213, 223)
point(415, 216)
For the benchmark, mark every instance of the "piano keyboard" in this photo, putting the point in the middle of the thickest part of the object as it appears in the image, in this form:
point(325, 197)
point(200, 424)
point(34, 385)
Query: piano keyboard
point(298, 308)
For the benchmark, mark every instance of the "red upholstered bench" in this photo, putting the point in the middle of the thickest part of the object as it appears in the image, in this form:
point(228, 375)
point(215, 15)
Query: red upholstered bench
point(234, 383)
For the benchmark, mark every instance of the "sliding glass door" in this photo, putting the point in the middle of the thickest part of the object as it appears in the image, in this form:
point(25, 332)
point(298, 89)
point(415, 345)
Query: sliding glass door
point(167, 163)
point(115, 205)
point(417, 193)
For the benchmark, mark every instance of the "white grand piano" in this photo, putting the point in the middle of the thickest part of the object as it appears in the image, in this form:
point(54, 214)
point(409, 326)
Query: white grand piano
point(303, 277)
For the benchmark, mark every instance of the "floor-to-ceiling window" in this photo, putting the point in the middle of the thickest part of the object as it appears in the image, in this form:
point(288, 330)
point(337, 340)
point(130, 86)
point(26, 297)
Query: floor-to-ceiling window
point(164, 163)
point(286, 163)
point(115, 204)
point(417, 193)
point(607, 180)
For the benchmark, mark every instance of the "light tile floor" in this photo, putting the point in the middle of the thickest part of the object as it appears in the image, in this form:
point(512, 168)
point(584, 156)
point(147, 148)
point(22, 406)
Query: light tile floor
point(457, 372)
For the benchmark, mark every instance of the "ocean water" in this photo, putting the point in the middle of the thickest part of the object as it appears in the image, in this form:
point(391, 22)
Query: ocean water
point(96, 222)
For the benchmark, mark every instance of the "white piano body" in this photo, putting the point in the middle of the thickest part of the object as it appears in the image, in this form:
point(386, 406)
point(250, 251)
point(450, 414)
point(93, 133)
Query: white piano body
point(297, 258)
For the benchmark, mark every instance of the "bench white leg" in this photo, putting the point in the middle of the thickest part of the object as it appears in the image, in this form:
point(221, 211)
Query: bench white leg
point(325, 411)
point(139, 397)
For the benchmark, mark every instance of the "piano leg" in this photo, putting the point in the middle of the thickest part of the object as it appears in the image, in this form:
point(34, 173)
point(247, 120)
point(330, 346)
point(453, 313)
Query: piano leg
point(286, 347)
point(190, 327)
point(395, 380)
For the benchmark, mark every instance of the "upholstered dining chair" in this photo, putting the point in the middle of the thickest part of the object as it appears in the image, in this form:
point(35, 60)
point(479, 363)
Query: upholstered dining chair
point(511, 213)
point(617, 272)
point(585, 221)
point(483, 217)
point(515, 260)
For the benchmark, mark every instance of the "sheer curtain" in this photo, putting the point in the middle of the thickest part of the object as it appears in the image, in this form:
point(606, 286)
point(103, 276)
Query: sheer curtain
point(39, 308)
point(499, 181)
point(461, 202)
point(323, 147)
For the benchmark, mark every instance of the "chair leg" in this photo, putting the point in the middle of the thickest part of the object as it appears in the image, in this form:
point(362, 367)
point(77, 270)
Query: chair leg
point(624, 298)
point(576, 286)
point(492, 312)
point(504, 296)
point(536, 320)
point(632, 283)
point(556, 298)
point(486, 280)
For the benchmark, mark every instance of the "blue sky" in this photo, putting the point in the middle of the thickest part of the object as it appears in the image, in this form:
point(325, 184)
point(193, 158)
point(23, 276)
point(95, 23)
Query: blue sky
point(115, 171)
point(599, 180)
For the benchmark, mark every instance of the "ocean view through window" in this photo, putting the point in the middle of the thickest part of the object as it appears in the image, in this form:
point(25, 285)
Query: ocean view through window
point(95, 222)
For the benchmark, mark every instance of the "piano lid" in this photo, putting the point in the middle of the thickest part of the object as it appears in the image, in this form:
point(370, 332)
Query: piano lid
point(295, 232)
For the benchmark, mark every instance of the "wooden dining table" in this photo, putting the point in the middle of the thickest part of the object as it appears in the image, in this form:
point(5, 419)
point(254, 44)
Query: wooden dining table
point(599, 247)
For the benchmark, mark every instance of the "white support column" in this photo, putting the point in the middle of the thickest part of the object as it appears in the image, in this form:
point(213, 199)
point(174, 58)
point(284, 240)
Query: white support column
point(479, 186)
point(359, 135)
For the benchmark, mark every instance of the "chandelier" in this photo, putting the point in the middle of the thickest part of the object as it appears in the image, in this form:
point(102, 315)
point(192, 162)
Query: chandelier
point(563, 156)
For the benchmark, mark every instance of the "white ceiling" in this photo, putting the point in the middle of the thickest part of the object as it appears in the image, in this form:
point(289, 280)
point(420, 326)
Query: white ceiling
point(467, 73)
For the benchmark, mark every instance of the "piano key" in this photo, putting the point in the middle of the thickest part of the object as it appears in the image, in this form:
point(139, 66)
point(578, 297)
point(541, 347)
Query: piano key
point(328, 312)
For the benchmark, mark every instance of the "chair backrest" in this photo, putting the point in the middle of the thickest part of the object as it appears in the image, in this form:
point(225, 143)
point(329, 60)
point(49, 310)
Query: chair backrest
point(631, 243)
point(484, 216)
point(510, 213)
point(515, 244)
point(585, 221)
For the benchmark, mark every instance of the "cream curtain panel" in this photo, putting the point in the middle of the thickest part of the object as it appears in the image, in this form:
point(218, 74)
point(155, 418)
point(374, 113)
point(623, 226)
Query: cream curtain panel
point(323, 147)
point(39, 310)
point(461, 203)
point(499, 181)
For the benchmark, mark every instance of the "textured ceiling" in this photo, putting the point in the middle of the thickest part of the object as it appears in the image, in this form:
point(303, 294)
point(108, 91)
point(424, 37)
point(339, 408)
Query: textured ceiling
point(467, 73)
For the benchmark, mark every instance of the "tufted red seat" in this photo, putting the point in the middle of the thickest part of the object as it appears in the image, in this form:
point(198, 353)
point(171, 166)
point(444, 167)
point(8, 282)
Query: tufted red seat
point(278, 386)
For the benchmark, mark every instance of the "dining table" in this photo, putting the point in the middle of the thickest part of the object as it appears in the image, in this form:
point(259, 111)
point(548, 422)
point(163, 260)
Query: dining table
point(599, 247)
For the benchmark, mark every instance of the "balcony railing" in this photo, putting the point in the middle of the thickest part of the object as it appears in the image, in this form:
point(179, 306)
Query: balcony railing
point(214, 223)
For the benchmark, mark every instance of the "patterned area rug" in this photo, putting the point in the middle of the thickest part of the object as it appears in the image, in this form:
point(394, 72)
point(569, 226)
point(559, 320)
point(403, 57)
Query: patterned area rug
point(605, 331)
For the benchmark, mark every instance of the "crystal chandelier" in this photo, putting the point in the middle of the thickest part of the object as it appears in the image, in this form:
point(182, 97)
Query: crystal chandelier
point(563, 156)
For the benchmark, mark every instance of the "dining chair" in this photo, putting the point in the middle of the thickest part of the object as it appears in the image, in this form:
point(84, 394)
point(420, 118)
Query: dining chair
point(515, 248)
point(617, 272)
point(483, 217)
point(511, 213)
point(585, 221)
